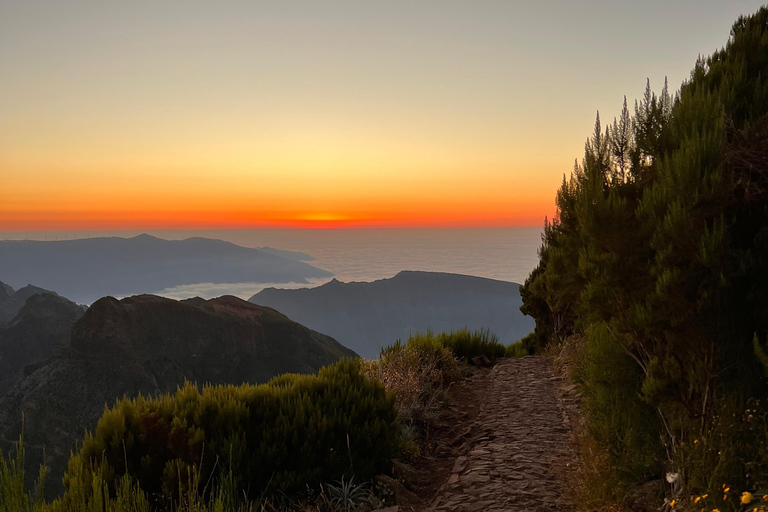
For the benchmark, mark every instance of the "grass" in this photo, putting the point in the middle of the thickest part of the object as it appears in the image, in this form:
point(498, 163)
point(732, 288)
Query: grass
point(464, 344)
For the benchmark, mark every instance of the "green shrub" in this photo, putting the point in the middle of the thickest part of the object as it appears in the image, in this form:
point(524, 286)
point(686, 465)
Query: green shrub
point(528, 345)
point(516, 349)
point(617, 418)
point(463, 343)
point(294, 431)
point(13, 495)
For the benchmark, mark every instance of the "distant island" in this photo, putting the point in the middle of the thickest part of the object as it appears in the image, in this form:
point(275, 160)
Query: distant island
point(87, 269)
point(367, 316)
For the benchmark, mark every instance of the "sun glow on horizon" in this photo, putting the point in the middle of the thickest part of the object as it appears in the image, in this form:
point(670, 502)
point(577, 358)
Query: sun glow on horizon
point(171, 115)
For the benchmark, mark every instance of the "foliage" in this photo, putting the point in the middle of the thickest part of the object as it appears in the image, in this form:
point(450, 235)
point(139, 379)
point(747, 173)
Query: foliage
point(526, 346)
point(516, 349)
point(13, 494)
point(292, 432)
point(657, 262)
point(416, 374)
point(463, 343)
point(346, 494)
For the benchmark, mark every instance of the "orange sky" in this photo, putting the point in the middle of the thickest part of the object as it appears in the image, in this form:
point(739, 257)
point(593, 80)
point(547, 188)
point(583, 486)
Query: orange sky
point(185, 115)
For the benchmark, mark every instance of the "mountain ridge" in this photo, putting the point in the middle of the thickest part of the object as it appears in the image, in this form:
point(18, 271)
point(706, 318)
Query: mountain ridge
point(367, 316)
point(89, 268)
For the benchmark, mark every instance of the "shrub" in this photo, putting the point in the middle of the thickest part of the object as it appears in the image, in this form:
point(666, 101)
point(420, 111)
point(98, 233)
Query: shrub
point(294, 431)
point(516, 349)
point(463, 343)
point(416, 375)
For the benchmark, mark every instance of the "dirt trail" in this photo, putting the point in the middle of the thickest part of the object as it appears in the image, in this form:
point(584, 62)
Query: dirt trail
point(518, 450)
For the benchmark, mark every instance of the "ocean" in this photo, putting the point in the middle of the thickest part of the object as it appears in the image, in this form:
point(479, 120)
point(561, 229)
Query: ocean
point(507, 254)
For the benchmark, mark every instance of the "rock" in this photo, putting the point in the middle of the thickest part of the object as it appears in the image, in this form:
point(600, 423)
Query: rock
point(647, 497)
point(405, 473)
point(402, 495)
point(481, 361)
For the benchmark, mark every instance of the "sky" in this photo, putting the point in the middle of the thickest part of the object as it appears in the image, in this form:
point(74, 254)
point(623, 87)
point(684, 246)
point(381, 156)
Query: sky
point(248, 114)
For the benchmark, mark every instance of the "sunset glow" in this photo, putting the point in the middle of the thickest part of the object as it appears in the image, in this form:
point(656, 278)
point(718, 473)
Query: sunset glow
point(238, 115)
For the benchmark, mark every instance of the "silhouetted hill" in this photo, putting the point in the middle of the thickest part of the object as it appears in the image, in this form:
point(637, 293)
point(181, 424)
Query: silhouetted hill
point(87, 269)
point(367, 316)
point(42, 326)
point(11, 301)
point(148, 344)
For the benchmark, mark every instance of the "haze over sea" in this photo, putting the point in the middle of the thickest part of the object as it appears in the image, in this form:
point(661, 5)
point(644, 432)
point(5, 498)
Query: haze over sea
point(507, 254)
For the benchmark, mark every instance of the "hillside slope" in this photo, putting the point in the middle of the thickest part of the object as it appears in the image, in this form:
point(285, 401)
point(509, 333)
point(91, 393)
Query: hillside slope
point(41, 327)
point(368, 316)
point(148, 344)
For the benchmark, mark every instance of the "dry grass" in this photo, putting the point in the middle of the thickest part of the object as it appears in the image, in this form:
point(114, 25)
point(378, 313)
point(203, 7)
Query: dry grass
point(417, 377)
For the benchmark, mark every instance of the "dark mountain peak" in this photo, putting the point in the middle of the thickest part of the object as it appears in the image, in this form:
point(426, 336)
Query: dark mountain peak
point(12, 301)
point(40, 327)
point(238, 307)
point(46, 305)
point(26, 292)
point(5, 290)
point(144, 236)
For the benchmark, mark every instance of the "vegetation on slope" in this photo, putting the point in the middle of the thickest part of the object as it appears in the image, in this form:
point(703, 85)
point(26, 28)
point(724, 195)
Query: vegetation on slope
point(656, 270)
point(261, 447)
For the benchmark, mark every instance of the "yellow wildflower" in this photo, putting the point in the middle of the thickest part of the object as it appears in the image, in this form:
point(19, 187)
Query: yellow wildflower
point(746, 498)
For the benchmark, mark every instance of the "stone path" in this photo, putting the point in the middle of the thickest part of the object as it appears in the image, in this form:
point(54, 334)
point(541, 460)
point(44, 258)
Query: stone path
point(519, 449)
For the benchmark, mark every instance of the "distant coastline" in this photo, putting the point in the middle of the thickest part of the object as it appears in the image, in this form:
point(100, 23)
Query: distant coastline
point(506, 254)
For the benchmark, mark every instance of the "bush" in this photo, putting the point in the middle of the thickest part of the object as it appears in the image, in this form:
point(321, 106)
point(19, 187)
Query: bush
point(616, 417)
point(528, 345)
point(463, 343)
point(416, 375)
point(294, 431)
point(516, 350)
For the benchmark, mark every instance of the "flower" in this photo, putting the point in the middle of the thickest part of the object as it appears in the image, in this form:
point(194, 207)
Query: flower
point(746, 497)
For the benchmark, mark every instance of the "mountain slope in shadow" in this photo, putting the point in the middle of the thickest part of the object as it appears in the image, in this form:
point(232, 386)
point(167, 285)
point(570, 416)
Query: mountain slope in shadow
point(41, 327)
point(368, 316)
point(147, 344)
point(11, 301)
